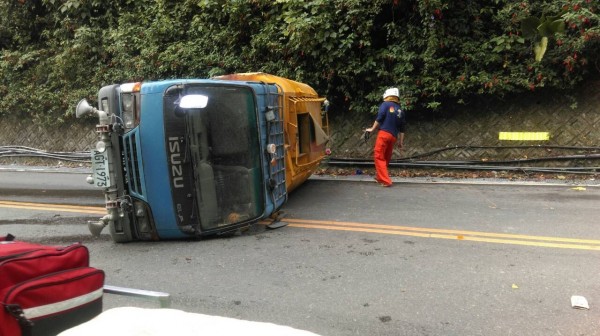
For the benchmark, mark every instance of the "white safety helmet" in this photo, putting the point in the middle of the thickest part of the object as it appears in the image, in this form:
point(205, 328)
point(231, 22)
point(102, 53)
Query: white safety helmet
point(391, 92)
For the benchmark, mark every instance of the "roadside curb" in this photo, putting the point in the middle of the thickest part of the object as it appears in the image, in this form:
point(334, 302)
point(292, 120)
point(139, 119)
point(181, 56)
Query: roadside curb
point(44, 169)
point(473, 181)
point(358, 178)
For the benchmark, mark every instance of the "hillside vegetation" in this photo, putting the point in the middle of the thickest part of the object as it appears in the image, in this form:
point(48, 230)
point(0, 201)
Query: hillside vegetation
point(438, 52)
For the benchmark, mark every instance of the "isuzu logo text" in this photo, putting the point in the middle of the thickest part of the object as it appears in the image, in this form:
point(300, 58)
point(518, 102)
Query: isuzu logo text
point(175, 160)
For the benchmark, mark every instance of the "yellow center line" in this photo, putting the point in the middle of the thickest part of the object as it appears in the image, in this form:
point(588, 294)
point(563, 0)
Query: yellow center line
point(453, 237)
point(53, 207)
point(487, 237)
point(455, 233)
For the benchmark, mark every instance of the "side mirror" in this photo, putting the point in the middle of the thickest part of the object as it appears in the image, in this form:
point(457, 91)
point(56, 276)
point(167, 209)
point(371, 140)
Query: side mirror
point(83, 108)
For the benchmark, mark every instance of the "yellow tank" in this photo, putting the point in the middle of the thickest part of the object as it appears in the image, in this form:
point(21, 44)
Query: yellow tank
point(306, 127)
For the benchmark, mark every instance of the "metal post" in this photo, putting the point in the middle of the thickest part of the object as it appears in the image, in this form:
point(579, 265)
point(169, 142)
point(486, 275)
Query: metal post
point(164, 299)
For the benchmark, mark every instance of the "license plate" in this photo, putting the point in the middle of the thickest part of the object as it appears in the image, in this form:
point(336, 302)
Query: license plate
point(100, 169)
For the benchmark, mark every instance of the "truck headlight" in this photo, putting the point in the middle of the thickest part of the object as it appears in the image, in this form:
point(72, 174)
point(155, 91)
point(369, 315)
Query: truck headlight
point(130, 104)
point(128, 107)
point(142, 217)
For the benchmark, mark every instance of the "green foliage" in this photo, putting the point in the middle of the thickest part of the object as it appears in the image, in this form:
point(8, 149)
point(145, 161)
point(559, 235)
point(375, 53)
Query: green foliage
point(438, 52)
point(542, 28)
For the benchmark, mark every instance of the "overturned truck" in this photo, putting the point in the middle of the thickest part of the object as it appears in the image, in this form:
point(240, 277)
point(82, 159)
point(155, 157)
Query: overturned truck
point(196, 157)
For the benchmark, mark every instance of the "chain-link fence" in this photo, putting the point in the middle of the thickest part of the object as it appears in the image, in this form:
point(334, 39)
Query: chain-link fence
point(76, 136)
point(473, 132)
point(467, 134)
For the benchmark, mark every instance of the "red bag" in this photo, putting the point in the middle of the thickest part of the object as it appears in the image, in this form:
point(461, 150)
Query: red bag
point(46, 289)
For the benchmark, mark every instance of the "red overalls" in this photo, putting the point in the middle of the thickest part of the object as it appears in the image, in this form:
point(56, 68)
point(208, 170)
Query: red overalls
point(384, 148)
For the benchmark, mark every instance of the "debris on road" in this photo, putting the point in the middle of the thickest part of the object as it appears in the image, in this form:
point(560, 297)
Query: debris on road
point(579, 302)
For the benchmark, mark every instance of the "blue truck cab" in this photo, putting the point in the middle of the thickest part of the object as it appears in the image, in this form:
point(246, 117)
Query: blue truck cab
point(191, 157)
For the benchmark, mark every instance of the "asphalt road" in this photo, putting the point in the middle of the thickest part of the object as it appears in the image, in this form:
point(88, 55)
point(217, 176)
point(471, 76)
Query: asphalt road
point(359, 259)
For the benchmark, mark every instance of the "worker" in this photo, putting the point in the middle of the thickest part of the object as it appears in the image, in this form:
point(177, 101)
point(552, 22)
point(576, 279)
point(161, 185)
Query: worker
point(391, 123)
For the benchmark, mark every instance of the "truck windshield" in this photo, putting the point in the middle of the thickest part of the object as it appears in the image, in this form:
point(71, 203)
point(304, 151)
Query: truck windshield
point(224, 146)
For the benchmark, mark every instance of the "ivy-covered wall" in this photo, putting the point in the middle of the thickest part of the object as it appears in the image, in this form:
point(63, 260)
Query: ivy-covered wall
point(460, 65)
point(440, 53)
